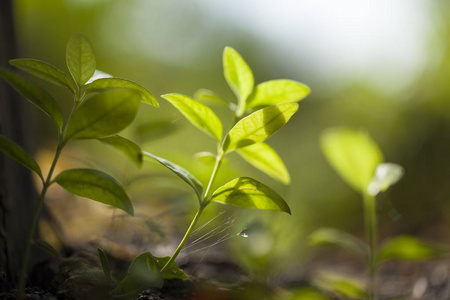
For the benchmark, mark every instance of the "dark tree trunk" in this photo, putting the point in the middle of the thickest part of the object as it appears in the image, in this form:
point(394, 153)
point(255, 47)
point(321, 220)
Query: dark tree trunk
point(17, 196)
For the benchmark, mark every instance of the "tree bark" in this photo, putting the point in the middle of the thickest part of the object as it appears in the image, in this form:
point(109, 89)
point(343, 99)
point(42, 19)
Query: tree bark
point(17, 195)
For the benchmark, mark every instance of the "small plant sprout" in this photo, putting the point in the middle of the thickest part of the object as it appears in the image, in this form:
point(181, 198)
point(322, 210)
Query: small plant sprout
point(101, 108)
point(259, 112)
point(359, 161)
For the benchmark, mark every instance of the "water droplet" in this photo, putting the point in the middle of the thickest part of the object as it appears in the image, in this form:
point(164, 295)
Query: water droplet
point(243, 233)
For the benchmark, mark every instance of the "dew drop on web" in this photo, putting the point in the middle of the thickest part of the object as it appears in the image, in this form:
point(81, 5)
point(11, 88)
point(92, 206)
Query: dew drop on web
point(243, 233)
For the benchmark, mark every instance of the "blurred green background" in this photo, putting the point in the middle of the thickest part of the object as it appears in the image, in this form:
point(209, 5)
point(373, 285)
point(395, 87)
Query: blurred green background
point(379, 65)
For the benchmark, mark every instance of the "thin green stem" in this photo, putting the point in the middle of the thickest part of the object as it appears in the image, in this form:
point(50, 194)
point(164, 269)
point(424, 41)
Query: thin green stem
point(184, 240)
point(370, 218)
point(217, 165)
point(34, 223)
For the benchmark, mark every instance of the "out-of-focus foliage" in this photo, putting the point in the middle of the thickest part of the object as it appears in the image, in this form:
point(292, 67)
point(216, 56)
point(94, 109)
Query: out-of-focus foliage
point(171, 46)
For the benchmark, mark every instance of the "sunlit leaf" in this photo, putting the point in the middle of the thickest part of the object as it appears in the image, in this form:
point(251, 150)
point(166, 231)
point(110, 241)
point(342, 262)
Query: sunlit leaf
point(126, 146)
point(335, 237)
point(16, 152)
point(353, 154)
point(249, 193)
point(386, 174)
point(43, 70)
point(46, 247)
point(35, 95)
point(277, 91)
point(307, 293)
point(407, 248)
point(119, 83)
point(80, 58)
point(209, 97)
point(238, 75)
point(172, 271)
point(259, 126)
point(104, 114)
point(105, 265)
point(266, 159)
point(143, 274)
point(180, 172)
point(95, 185)
point(198, 114)
point(346, 287)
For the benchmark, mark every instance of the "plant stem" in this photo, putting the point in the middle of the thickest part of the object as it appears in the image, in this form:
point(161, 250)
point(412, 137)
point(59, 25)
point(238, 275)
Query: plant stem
point(34, 223)
point(370, 218)
point(203, 204)
point(184, 240)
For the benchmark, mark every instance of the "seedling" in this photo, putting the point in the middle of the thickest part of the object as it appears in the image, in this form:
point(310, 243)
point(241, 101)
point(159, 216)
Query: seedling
point(258, 113)
point(100, 109)
point(359, 161)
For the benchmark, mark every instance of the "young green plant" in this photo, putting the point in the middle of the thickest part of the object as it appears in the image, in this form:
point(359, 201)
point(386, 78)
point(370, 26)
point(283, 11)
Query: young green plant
point(359, 161)
point(101, 108)
point(259, 112)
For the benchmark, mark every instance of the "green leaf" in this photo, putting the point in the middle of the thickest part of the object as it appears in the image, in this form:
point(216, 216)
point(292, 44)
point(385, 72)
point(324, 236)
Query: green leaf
point(206, 158)
point(43, 70)
point(277, 91)
point(95, 185)
point(200, 115)
point(35, 95)
point(307, 293)
point(238, 75)
point(266, 159)
point(143, 273)
point(104, 114)
point(258, 126)
point(334, 237)
point(80, 58)
point(386, 175)
point(173, 271)
point(209, 97)
point(46, 247)
point(105, 265)
point(180, 172)
point(346, 287)
point(16, 152)
point(407, 248)
point(119, 83)
point(126, 146)
point(249, 193)
point(353, 154)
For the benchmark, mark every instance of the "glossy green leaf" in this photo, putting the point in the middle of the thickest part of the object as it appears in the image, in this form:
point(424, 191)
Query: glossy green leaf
point(353, 154)
point(43, 70)
point(238, 75)
point(104, 114)
point(386, 174)
point(249, 193)
point(209, 97)
point(16, 152)
point(173, 271)
point(266, 159)
point(95, 185)
point(46, 247)
point(346, 287)
point(126, 146)
point(105, 265)
point(102, 84)
point(335, 237)
point(35, 95)
point(143, 274)
point(259, 126)
point(200, 115)
point(98, 75)
point(407, 248)
point(80, 58)
point(277, 91)
point(180, 172)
